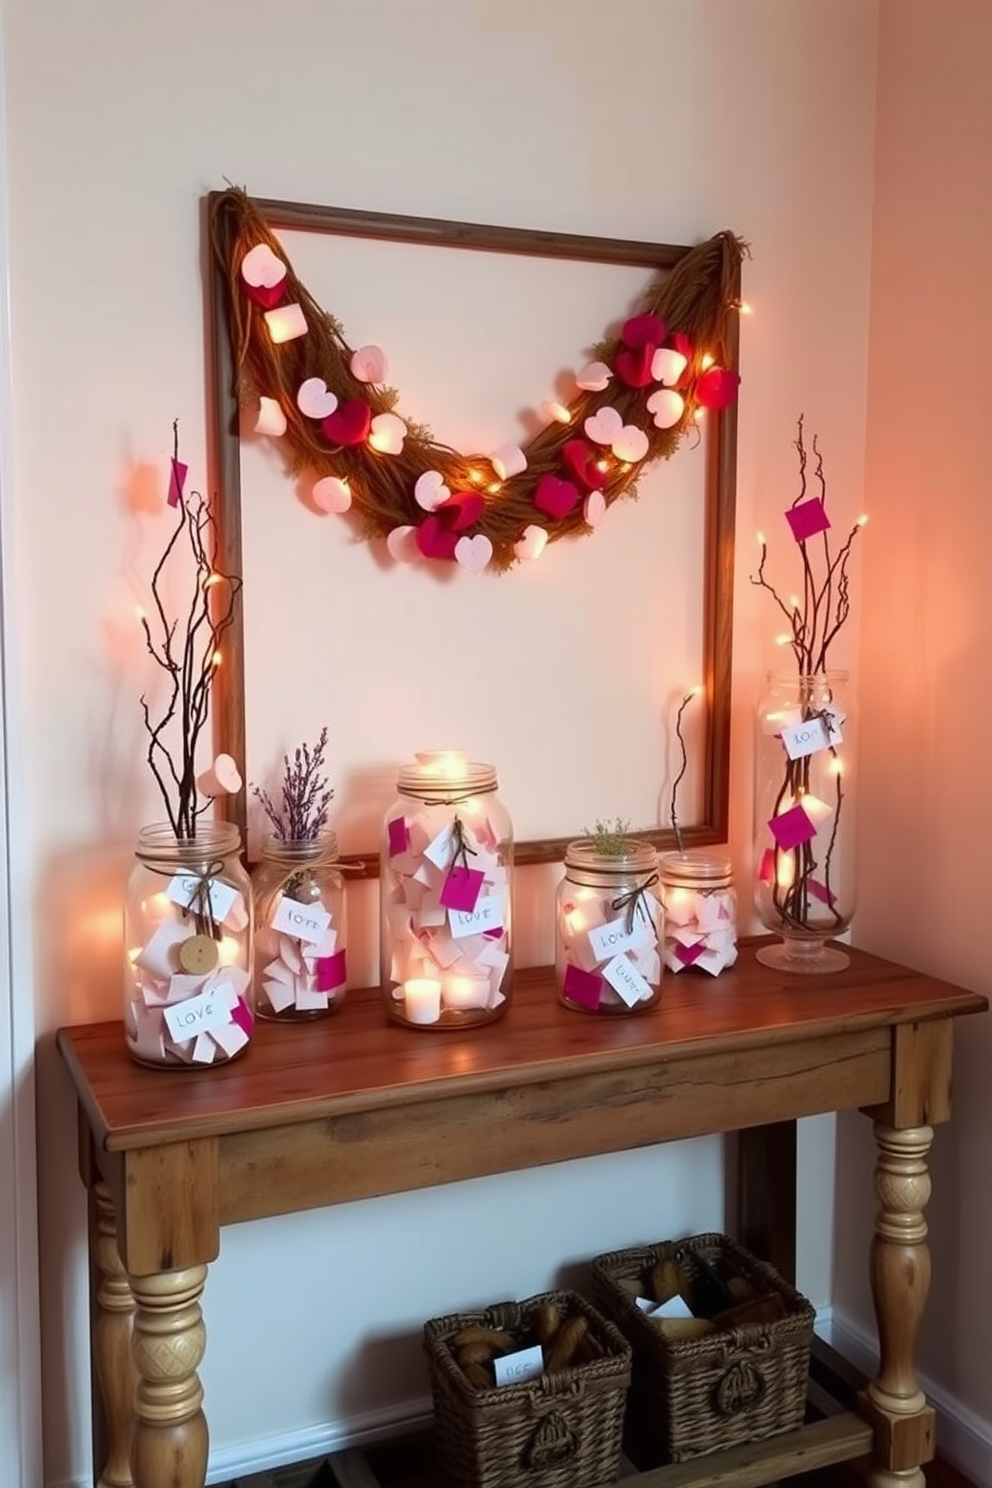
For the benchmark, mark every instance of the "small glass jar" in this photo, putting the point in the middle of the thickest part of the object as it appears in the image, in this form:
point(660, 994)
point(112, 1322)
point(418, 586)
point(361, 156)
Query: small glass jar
point(445, 886)
point(301, 969)
point(188, 925)
point(608, 926)
point(700, 911)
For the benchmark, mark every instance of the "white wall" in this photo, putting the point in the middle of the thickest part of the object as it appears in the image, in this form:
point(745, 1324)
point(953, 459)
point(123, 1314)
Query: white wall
point(926, 634)
point(647, 118)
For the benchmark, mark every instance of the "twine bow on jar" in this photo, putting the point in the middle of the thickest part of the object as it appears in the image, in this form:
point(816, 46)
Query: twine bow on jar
point(633, 901)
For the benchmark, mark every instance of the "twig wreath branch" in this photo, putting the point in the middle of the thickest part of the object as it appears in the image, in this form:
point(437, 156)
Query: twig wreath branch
point(634, 403)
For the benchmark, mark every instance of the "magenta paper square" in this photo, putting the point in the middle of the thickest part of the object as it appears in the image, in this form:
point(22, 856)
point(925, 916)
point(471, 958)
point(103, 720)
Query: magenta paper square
point(766, 868)
point(242, 1015)
point(821, 892)
point(461, 888)
point(807, 519)
point(398, 836)
point(332, 972)
point(583, 987)
point(688, 954)
point(176, 482)
point(792, 828)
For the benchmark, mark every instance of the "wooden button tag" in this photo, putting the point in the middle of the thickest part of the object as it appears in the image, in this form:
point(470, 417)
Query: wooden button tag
point(198, 955)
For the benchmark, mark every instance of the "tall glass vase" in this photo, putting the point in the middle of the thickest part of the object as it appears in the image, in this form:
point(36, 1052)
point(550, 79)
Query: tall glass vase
point(804, 886)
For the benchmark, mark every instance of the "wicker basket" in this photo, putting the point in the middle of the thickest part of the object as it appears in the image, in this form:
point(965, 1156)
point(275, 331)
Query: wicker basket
point(559, 1430)
point(701, 1395)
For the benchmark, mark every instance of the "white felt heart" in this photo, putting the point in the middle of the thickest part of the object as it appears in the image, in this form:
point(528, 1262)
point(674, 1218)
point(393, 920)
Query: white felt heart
point(631, 444)
point(532, 544)
point(667, 365)
point(332, 494)
point(594, 509)
point(315, 398)
point(666, 406)
point(593, 377)
point(368, 364)
point(473, 553)
point(604, 425)
point(508, 460)
point(271, 419)
point(402, 544)
point(387, 433)
point(261, 268)
point(430, 490)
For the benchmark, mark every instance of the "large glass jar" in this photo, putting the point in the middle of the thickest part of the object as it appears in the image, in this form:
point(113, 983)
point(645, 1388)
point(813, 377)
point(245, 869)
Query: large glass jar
point(188, 946)
point(608, 927)
point(700, 911)
point(804, 886)
point(301, 969)
point(445, 889)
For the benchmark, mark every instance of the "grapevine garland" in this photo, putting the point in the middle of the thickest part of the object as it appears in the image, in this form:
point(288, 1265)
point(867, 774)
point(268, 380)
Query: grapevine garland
point(634, 404)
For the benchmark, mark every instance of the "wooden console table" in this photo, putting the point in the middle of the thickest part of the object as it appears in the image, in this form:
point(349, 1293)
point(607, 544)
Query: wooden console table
point(353, 1107)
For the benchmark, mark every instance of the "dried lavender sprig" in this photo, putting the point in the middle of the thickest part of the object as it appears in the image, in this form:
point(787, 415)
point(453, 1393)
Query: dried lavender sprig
point(305, 794)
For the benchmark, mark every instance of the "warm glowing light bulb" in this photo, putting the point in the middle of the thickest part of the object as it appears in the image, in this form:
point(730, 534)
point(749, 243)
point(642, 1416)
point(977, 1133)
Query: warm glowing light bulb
point(695, 691)
point(785, 639)
point(216, 659)
point(794, 601)
point(862, 520)
point(603, 465)
point(557, 411)
point(836, 766)
point(744, 307)
point(475, 476)
point(624, 467)
point(139, 614)
point(761, 539)
point(228, 950)
point(699, 415)
point(785, 871)
point(496, 486)
point(211, 579)
point(707, 361)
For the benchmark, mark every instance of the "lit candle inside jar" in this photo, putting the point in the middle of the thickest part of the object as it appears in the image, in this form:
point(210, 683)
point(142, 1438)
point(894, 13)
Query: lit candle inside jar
point(422, 1000)
point(229, 950)
point(450, 764)
point(464, 993)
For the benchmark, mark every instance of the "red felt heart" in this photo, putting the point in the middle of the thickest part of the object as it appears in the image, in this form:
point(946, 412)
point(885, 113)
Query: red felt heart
point(462, 509)
point(717, 388)
point(634, 366)
point(580, 458)
point(642, 330)
point(349, 423)
point(555, 497)
point(266, 295)
point(434, 539)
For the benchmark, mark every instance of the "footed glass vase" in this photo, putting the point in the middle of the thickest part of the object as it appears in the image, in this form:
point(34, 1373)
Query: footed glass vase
point(804, 885)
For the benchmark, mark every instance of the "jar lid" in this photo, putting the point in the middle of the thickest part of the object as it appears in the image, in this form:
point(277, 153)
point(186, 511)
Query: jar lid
point(638, 857)
point(690, 869)
point(157, 842)
point(445, 775)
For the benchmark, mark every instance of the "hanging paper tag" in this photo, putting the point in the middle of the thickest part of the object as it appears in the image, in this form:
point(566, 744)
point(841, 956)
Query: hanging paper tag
point(304, 921)
point(525, 1364)
point(486, 916)
point(606, 940)
point(626, 980)
point(195, 1015)
point(438, 852)
point(184, 890)
point(813, 734)
point(461, 887)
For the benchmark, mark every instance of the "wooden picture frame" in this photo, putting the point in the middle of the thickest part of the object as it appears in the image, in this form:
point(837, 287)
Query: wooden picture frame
point(719, 489)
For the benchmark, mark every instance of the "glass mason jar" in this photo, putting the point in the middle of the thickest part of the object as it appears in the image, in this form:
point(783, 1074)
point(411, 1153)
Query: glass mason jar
point(445, 893)
point(301, 970)
point(187, 948)
point(700, 906)
point(608, 926)
point(804, 885)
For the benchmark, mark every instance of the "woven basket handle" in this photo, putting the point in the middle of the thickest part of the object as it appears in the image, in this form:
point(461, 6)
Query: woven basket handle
point(552, 1443)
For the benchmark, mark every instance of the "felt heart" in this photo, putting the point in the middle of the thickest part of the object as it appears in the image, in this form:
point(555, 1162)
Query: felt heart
point(667, 365)
point(593, 377)
point(717, 388)
point(368, 364)
point(462, 510)
point(508, 460)
point(555, 497)
point(261, 268)
point(387, 433)
point(434, 539)
point(271, 418)
point(268, 296)
point(532, 544)
point(631, 444)
point(348, 424)
point(579, 458)
point(604, 425)
point(402, 544)
point(315, 398)
point(595, 508)
point(643, 330)
point(474, 553)
point(331, 494)
point(430, 490)
point(667, 407)
point(634, 366)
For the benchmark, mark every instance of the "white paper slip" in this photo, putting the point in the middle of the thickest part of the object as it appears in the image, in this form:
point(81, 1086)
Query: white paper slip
point(438, 851)
point(606, 940)
point(305, 921)
point(525, 1364)
point(813, 734)
point(487, 915)
point(197, 1014)
point(626, 980)
point(184, 888)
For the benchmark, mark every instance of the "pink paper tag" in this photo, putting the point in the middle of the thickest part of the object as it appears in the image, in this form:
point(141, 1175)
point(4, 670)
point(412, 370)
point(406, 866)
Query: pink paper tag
point(792, 828)
point(398, 836)
point(332, 972)
point(461, 888)
point(241, 1014)
point(821, 892)
point(766, 868)
point(176, 482)
point(807, 519)
point(583, 987)
point(688, 954)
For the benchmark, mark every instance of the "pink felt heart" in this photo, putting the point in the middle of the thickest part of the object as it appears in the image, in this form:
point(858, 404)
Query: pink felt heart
point(331, 494)
point(643, 330)
point(348, 424)
point(508, 460)
point(634, 366)
point(594, 509)
point(261, 268)
point(387, 433)
point(430, 490)
point(474, 553)
point(667, 407)
point(461, 510)
point(555, 497)
point(631, 444)
point(435, 540)
point(402, 544)
point(268, 296)
point(604, 425)
point(368, 364)
point(579, 459)
point(717, 388)
point(594, 377)
point(315, 399)
point(667, 365)
point(532, 544)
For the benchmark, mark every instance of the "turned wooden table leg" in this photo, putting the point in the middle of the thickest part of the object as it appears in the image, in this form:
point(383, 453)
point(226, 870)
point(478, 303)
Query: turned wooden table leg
point(113, 1363)
point(170, 1431)
point(900, 1281)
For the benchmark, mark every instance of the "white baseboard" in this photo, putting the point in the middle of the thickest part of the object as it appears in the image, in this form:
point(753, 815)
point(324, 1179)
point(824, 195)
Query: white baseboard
point(963, 1437)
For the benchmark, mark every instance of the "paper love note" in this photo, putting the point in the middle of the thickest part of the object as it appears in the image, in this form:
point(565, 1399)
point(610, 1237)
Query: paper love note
point(368, 364)
point(666, 407)
point(487, 916)
point(606, 940)
point(603, 426)
point(688, 954)
point(461, 887)
point(197, 1014)
point(177, 479)
point(306, 922)
point(397, 836)
point(186, 889)
point(524, 1364)
point(594, 377)
point(821, 892)
point(332, 971)
point(792, 828)
point(811, 735)
point(582, 987)
point(807, 519)
point(626, 980)
point(315, 399)
point(438, 850)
